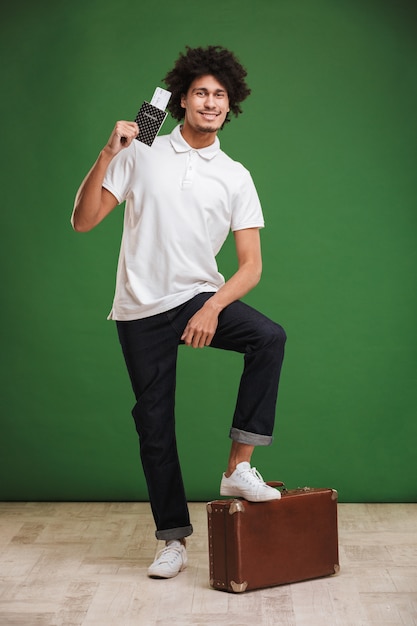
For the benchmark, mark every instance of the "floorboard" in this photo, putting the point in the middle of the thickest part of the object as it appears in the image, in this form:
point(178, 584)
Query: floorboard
point(84, 564)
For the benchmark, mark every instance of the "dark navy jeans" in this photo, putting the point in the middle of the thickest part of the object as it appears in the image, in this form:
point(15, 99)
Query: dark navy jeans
point(150, 348)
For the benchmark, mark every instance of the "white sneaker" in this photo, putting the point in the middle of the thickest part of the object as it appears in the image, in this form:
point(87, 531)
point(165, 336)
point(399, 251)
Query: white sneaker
point(169, 561)
point(246, 482)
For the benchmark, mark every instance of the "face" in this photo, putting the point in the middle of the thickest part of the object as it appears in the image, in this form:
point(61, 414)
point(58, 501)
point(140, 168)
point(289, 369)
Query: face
point(206, 105)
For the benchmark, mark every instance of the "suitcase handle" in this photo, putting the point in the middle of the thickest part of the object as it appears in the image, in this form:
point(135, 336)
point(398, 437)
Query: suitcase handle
point(276, 483)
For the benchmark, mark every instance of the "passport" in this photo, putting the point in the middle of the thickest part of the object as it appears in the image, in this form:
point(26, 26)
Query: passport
point(152, 115)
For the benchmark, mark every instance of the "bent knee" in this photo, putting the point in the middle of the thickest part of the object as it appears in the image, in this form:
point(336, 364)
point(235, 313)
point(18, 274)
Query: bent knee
point(275, 333)
point(272, 335)
point(281, 334)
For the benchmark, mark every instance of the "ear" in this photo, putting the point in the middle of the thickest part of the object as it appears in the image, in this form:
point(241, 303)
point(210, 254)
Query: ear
point(183, 101)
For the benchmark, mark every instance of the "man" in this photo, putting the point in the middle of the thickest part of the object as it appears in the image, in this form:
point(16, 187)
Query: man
point(183, 195)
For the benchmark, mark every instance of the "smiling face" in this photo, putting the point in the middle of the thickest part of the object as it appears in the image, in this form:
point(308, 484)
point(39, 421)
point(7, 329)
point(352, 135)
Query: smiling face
point(206, 105)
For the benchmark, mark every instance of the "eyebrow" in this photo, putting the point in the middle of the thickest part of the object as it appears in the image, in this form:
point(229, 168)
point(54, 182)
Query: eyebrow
point(205, 89)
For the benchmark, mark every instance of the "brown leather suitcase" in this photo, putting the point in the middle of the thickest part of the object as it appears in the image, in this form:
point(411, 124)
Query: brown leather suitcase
point(263, 544)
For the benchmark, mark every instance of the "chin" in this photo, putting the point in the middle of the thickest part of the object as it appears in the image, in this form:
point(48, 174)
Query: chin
point(208, 129)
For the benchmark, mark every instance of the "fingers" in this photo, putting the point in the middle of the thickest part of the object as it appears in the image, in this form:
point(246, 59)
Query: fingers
point(198, 337)
point(201, 327)
point(122, 136)
point(126, 131)
point(197, 340)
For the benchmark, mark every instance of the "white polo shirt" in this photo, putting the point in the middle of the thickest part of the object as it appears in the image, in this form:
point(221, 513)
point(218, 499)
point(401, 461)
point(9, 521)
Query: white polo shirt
point(181, 204)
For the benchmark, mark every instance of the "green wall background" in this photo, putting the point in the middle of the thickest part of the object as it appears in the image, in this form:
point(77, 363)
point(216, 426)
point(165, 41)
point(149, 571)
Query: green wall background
point(329, 135)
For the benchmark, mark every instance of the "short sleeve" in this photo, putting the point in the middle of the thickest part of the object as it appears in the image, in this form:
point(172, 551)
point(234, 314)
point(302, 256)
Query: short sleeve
point(246, 207)
point(118, 178)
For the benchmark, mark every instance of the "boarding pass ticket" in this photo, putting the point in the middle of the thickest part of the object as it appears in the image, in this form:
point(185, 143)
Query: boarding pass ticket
point(160, 98)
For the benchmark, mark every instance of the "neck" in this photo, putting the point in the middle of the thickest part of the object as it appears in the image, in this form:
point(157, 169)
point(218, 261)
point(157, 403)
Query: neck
point(198, 139)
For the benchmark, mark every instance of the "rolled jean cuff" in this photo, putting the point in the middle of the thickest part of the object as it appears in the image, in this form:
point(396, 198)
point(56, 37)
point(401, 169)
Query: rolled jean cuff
point(251, 439)
point(174, 533)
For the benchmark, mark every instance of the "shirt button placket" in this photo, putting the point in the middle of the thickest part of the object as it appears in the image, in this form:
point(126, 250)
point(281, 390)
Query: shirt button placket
point(189, 172)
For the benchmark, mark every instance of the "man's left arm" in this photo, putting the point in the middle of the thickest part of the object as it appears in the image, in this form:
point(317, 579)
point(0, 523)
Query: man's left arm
point(201, 327)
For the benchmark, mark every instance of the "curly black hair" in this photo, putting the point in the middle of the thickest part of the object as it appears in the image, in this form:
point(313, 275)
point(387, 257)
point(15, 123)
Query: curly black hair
point(215, 61)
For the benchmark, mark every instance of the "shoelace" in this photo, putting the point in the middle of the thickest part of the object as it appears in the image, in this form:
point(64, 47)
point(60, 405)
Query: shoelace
point(254, 475)
point(168, 554)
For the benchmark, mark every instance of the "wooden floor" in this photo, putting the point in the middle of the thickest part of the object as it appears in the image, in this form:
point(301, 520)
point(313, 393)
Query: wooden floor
point(71, 564)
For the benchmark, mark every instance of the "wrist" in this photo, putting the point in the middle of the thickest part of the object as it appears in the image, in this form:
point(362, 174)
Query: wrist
point(106, 155)
point(213, 304)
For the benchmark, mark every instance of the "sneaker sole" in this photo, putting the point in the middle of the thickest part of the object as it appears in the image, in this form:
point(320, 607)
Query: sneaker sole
point(228, 491)
point(166, 576)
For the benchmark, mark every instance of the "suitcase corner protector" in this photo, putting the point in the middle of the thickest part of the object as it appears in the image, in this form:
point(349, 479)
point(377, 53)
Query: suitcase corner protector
point(238, 587)
point(236, 506)
point(336, 568)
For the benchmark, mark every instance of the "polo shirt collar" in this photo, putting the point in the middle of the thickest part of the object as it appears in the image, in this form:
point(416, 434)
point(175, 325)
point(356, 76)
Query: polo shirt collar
point(180, 145)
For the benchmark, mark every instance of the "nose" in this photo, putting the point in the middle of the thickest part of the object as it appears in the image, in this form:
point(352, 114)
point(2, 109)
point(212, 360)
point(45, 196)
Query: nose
point(209, 102)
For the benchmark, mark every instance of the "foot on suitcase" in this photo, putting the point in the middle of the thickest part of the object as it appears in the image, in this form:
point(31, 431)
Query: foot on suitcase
point(246, 482)
point(170, 561)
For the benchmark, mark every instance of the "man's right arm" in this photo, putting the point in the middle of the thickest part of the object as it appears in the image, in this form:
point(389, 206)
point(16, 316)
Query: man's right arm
point(92, 202)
